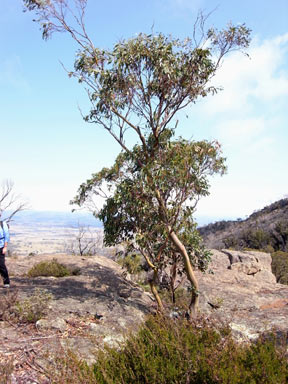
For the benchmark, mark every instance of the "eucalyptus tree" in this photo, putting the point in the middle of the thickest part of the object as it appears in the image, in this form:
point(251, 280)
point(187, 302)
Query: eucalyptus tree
point(140, 85)
point(131, 214)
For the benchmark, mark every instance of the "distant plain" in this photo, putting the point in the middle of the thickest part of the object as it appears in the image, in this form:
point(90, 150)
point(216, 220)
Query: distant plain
point(49, 232)
point(55, 232)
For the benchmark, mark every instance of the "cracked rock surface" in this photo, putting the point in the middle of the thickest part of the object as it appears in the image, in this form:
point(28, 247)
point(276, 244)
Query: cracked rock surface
point(242, 292)
point(101, 305)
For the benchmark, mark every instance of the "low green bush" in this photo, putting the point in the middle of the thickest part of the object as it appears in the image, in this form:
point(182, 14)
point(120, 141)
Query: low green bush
point(52, 268)
point(280, 266)
point(176, 351)
point(268, 249)
point(131, 262)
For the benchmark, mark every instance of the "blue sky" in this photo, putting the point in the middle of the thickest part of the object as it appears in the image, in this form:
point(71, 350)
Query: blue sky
point(47, 150)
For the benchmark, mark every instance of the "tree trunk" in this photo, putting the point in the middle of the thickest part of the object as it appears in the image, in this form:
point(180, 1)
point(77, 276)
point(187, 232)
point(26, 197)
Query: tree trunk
point(193, 307)
point(155, 292)
point(173, 274)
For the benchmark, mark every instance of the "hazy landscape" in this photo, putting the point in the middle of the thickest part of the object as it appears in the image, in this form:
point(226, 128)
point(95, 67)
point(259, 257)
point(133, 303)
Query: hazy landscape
point(48, 232)
point(53, 232)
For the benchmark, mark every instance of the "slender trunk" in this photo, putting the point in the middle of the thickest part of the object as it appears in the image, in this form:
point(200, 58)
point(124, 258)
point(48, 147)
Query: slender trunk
point(173, 273)
point(173, 296)
point(152, 282)
point(155, 292)
point(193, 307)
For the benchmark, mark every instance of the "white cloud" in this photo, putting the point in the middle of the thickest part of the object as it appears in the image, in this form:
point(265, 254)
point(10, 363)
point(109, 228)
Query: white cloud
point(260, 78)
point(237, 131)
point(249, 117)
point(252, 106)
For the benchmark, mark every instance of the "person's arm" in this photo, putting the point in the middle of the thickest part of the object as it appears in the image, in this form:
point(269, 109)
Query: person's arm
point(5, 248)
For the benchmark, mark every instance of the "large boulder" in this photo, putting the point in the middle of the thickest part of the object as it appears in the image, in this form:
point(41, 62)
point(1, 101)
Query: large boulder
point(242, 292)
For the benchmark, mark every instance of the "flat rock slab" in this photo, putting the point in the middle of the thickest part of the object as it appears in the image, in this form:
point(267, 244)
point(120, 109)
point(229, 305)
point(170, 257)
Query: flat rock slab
point(99, 306)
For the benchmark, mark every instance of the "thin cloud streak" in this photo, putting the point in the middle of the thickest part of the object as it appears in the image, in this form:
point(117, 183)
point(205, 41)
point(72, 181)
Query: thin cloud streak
point(12, 74)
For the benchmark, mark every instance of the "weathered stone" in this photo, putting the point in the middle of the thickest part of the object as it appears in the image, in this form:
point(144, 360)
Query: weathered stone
point(55, 324)
point(244, 294)
point(250, 268)
point(113, 341)
point(101, 291)
point(125, 293)
point(275, 304)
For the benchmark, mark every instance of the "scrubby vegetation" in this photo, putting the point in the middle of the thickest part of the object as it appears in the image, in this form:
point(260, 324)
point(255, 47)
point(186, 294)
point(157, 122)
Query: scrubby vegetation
point(272, 239)
point(266, 229)
point(280, 266)
point(6, 369)
point(52, 268)
point(24, 311)
point(178, 351)
point(131, 262)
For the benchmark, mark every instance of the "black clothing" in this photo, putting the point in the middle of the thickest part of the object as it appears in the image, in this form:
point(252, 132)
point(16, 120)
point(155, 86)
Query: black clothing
point(3, 269)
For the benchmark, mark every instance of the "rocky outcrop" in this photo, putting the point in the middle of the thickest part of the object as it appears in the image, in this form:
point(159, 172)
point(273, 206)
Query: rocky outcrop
point(241, 291)
point(101, 305)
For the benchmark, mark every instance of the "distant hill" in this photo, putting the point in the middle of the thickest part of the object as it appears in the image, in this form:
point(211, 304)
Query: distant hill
point(266, 229)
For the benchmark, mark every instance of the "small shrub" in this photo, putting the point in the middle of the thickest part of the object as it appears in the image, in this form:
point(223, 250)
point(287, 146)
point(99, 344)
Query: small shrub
point(6, 369)
point(34, 307)
point(281, 235)
point(67, 368)
point(8, 302)
point(230, 242)
point(269, 249)
point(131, 262)
point(255, 238)
point(280, 266)
point(74, 271)
point(182, 297)
point(177, 351)
point(28, 310)
point(144, 286)
point(12, 254)
point(50, 268)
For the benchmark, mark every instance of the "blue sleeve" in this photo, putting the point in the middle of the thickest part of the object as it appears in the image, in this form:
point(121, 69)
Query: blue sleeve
point(6, 232)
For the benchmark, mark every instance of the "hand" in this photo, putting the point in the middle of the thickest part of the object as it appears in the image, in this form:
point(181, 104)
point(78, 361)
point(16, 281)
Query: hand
point(4, 250)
